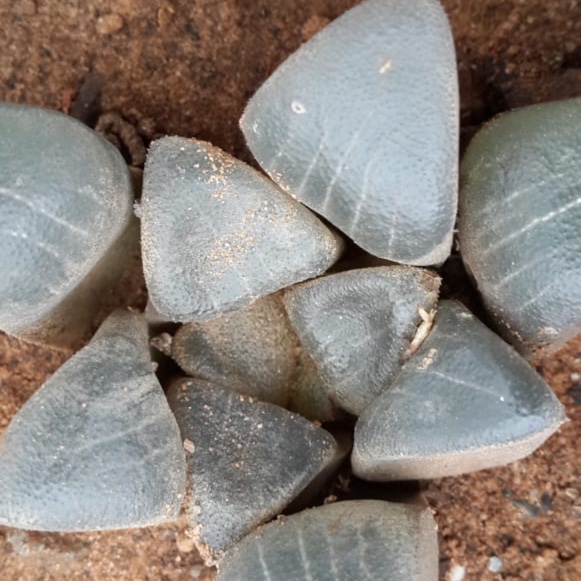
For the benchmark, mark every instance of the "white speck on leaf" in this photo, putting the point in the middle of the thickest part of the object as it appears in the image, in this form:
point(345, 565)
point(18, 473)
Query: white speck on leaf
point(298, 108)
point(386, 66)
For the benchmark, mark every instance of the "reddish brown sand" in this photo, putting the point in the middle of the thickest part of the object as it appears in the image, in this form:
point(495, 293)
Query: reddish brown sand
point(190, 67)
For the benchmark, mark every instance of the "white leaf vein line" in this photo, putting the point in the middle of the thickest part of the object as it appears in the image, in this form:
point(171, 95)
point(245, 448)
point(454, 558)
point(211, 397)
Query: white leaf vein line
point(392, 230)
point(469, 384)
point(362, 198)
point(342, 161)
point(304, 557)
point(38, 210)
point(136, 390)
point(332, 557)
point(516, 273)
point(136, 463)
point(538, 296)
point(362, 544)
point(519, 192)
point(262, 561)
point(90, 444)
point(24, 236)
point(532, 224)
point(311, 166)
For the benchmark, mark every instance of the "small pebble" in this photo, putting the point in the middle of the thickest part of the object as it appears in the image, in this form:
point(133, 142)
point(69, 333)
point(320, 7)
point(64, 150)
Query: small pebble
point(457, 573)
point(495, 565)
point(109, 24)
point(184, 544)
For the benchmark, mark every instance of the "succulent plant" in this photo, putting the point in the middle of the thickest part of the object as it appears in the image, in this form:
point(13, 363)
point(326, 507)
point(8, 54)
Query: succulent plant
point(229, 252)
point(343, 541)
point(519, 221)
point(97, 446)
point(465, 401)
point(217, 235)
point(66, 217)
point(359, 325)
point(346, 126)
point(242, 450)
point(254, 351)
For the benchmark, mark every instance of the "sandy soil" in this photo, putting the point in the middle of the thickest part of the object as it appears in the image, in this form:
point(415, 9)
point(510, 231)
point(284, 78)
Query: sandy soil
point(187, 68)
